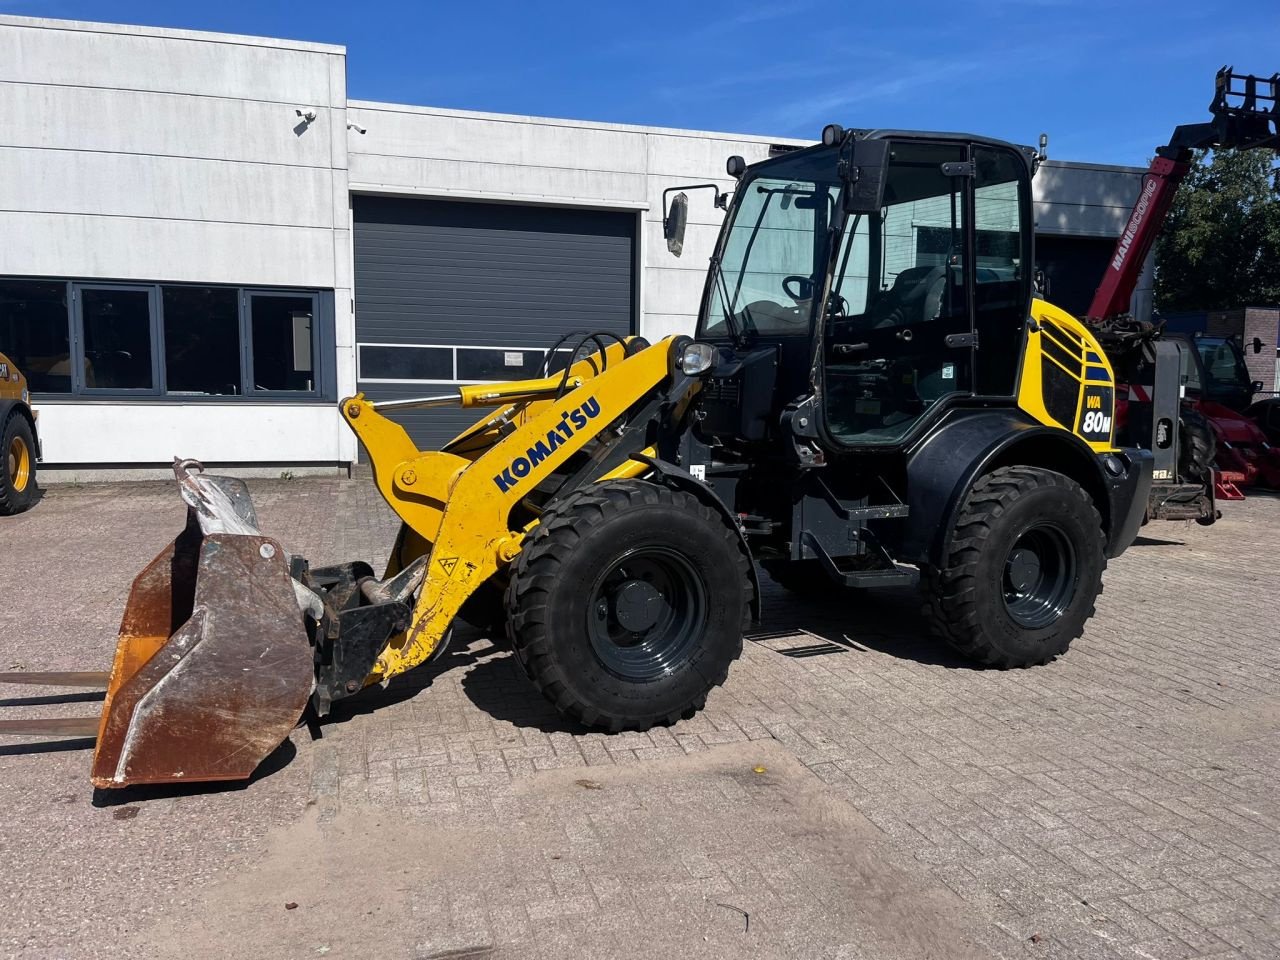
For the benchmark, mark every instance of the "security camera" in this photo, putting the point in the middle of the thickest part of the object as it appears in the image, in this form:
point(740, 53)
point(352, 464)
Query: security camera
point(307, 115)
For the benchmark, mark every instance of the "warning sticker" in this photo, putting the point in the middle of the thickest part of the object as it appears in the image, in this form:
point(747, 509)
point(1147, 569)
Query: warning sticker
point(448, 563)
point(512, 358)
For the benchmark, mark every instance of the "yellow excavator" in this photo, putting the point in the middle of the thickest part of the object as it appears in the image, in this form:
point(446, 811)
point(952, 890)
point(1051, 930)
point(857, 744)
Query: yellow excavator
point(873, 396)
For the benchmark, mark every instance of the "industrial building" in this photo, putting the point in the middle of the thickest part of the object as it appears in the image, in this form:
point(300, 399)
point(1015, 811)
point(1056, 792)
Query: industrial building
point(205, 244)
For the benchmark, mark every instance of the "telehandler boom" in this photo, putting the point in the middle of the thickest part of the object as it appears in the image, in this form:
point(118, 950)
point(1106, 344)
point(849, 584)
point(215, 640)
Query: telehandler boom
point(1214, 447)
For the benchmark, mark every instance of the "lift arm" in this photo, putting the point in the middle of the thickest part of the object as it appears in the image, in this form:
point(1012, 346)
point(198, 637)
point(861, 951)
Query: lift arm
point(1245, 117)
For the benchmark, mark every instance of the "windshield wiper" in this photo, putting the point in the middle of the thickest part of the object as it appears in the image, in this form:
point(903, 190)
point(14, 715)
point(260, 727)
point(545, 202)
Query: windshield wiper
point(722, 289)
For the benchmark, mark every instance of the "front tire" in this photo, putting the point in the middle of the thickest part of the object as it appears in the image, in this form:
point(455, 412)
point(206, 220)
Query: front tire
point(626, 605)
point(17, 465)
point(1022, 571)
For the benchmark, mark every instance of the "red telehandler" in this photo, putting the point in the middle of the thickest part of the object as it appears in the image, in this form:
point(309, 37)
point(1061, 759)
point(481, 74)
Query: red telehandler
point(1217, 447)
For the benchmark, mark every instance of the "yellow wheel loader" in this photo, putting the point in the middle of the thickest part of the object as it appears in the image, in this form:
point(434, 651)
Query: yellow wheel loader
point(873, 396)
point(18, 441)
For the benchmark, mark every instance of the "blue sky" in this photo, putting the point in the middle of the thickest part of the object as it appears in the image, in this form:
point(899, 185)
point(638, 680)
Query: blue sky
point(1107, 79)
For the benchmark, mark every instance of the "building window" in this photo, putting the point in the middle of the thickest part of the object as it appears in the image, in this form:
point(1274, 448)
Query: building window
point(115, 330)
point(202, 341)
point(478, 364)
point(439, 363)
point(180, 340)
point(282, 342)
point(405, 363)
point(34, 332)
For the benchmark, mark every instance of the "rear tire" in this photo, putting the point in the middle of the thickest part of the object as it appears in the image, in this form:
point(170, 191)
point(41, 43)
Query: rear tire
point(1197, 446)
point(17, 465)
point(1023, 569)
point(626, 605)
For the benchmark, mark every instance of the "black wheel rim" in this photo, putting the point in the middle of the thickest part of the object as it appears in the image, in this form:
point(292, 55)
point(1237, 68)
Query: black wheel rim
point(646, 612)
point(1039, 577)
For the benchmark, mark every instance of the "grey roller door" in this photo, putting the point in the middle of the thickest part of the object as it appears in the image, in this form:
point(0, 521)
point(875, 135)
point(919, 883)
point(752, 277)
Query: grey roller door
point(456, 292)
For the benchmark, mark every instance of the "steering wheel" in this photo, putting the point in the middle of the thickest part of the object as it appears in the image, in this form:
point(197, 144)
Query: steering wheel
point(803, 285)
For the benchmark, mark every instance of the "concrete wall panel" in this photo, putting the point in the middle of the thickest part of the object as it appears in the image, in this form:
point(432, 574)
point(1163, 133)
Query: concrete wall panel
point(673, 157)
point(129, 248)
point(106, 120)
point(168, 188)
point(494, 180)
point(97, 55)
point(72, 433)
point(409, 132)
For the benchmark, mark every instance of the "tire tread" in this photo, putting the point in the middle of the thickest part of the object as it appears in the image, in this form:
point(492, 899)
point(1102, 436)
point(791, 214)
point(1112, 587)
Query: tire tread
point(950, 591)
point(544, 554)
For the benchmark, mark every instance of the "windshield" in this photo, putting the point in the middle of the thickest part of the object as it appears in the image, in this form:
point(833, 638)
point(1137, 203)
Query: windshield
point(774, 257)
point(1225, 372)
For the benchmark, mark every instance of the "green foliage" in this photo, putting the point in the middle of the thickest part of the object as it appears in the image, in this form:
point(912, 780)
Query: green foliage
point(1220, 247)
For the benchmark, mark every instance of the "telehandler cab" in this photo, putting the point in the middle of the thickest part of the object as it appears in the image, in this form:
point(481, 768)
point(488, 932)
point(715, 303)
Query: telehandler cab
point(873, 394)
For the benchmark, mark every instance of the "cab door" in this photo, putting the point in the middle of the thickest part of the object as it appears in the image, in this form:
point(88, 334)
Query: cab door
point(899, 331)
point(930, 297)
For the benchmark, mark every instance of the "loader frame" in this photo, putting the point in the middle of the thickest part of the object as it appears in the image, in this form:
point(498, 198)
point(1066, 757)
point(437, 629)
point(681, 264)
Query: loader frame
point(467, 508)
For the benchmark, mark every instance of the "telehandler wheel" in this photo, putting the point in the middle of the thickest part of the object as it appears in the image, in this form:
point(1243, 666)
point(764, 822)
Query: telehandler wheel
point(626, 605)
point(1023, 569)
point(1197, 446)
point(17, 465)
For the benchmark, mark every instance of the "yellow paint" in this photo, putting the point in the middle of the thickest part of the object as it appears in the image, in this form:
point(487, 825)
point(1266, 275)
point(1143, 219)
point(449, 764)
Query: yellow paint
point(19, 459)
point(1074, 339)
point(457, 503)
point(13, 384)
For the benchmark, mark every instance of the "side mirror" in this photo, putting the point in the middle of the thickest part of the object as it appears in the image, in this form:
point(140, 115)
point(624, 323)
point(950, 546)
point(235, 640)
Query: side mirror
point(674, 222)
point(1257, 344)
point(866, 168)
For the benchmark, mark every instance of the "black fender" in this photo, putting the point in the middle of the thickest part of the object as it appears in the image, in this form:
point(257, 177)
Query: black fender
point(8, 405)
point(968, 443)
point(672, 476)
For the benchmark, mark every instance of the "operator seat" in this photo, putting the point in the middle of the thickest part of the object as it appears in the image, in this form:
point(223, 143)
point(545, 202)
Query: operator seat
point(906, 301)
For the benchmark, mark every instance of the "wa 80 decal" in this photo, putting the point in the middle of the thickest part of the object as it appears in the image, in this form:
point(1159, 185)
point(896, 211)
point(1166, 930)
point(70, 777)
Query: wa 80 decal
point(571, 421)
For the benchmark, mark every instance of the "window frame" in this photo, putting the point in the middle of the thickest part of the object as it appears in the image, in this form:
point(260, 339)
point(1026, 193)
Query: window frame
point(160, 330)
point(453, 349)
point(155, 339)
point(323, 344)
point(246, 343)
point(68, 308)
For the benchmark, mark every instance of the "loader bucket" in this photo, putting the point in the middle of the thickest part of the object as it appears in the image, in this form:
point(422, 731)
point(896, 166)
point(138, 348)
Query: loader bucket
point(213, 667)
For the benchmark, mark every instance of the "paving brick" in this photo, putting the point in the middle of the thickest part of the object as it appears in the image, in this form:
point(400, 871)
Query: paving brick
point(1120, 799)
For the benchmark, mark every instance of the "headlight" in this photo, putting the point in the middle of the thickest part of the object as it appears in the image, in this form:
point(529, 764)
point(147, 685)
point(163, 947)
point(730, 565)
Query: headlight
point(697, 358)
point(26, 397)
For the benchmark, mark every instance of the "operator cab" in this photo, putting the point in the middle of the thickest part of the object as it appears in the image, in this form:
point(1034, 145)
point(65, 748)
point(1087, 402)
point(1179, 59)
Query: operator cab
point(1214, 369)
point(889, 309)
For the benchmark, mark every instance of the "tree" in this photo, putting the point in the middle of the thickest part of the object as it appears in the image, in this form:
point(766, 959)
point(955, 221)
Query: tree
point(1220, 247)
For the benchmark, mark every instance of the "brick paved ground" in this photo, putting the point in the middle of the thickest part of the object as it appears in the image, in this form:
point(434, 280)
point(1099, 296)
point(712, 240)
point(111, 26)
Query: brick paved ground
point(1121, 802)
